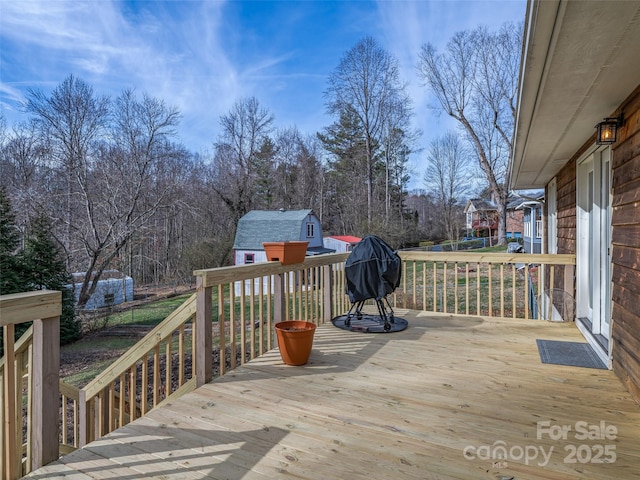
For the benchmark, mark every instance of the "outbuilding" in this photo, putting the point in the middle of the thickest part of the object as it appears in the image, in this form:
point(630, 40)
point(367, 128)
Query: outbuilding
point(259, 226)
point(113, 288)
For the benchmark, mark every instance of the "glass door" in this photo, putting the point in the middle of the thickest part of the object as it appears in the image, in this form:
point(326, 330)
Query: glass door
point(594, 242)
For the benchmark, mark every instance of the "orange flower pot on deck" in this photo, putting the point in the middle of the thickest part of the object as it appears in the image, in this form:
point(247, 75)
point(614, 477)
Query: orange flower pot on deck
point(295, 339)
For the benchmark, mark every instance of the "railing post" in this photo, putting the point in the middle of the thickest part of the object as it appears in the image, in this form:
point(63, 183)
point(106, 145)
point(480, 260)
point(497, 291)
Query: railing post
point(11, 463)
point(43, 307)
point(46, 391)
point(204, 367)
point(278, 298)
point(327, 287)
point(83, 419)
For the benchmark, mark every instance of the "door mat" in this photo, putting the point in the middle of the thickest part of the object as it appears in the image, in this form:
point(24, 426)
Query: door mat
point(574, 354)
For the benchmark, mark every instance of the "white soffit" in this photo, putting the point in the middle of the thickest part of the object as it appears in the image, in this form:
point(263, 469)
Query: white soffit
point(581, 60)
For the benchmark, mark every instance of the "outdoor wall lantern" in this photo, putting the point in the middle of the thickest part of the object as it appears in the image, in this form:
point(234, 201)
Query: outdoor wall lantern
point(608, 130)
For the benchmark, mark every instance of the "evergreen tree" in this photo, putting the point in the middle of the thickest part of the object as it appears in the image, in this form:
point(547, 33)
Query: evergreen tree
point(45, 269)
point(346, 192)
point(11, 279)
point(263, 165)
point(10, 265)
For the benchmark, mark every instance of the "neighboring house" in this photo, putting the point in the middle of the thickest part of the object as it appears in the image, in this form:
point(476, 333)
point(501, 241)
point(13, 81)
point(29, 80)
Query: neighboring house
point(531, 208)
point(113, 288)
point(581, 65)
point(482, 218)
point(260, 226)
point(515, 218)
point(340, 243)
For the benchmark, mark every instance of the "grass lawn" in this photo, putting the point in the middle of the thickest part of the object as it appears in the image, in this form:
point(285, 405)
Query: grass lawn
point(84, 359)
point(150, 314)
point(496, 249)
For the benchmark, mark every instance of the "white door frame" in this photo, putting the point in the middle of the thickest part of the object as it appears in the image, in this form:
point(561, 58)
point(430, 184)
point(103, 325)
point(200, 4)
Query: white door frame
point(552, 216)
point(593, 280)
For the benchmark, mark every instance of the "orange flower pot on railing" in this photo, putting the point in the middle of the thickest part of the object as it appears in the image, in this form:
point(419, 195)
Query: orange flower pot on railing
point(287, 253)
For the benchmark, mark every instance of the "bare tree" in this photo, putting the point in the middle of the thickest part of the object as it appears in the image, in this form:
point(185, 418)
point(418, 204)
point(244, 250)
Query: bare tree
point(475, 82)
point(299, 171)
point(72, 120)
point(397, 144)
point(23, 170)
point(234, 171)
point(367, 81)
point(108, 161)
point(121, 192)
point(447, 178)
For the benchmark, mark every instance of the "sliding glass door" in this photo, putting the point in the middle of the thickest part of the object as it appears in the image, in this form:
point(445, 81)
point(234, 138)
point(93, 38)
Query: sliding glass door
point(594, 243)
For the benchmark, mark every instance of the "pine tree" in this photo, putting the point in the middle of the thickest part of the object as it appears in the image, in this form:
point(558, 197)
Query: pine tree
point(10, 265)
point(346, 211)
point(45, 269)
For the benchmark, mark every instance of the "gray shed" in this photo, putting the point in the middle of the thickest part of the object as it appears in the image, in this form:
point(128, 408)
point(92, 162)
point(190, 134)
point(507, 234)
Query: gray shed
point(113, 288)
point(260, 226)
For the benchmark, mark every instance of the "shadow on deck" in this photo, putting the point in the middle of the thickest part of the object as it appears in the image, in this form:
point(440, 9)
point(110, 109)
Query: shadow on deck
point(450, 397)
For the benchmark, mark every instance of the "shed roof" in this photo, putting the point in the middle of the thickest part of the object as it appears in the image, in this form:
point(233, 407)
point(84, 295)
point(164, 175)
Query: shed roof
point(259, 226)
point(78, 277)
point(346, 238)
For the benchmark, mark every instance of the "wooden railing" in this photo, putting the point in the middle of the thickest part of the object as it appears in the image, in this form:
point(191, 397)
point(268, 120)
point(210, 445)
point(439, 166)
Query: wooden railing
point(69, 418)
point(154, 368)
point(29, 375)
point(487, 284)
point(264, 294)
point(228, 321)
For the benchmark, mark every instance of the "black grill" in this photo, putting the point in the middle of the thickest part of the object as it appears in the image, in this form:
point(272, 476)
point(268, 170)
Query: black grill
point(372, 271)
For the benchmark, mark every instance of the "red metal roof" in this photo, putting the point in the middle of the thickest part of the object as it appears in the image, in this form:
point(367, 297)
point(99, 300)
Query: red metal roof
point(346, 238)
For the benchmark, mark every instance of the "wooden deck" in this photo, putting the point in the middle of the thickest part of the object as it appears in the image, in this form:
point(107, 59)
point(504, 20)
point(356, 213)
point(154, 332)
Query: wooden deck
point(435, 401)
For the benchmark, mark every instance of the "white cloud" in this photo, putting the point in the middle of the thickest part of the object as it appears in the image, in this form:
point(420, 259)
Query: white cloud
point(181, 62)
point(202, 55)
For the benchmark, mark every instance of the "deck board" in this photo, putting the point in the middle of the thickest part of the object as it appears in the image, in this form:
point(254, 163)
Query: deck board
point(402, 406)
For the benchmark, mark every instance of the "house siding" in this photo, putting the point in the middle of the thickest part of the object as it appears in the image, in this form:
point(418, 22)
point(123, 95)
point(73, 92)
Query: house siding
point(566, 208)
point(515, 222)
point(566, 222)
point(626, 248)
point(625, 240)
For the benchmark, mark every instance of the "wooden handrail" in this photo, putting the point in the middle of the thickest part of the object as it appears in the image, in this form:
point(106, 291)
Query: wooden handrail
point(215, 276)
point(43, 307)
point(150, 340)
point(488, 257)
point(508, 285)
point(24, 307)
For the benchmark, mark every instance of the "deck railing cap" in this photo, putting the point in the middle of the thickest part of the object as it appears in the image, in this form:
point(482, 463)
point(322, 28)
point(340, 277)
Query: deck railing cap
point(23, 307)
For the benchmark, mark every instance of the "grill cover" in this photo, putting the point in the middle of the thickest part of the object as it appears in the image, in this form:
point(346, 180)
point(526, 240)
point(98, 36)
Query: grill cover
point(372, 270)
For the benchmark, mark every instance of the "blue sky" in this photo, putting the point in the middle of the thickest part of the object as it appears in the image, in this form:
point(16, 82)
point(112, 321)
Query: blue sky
point(201, 56)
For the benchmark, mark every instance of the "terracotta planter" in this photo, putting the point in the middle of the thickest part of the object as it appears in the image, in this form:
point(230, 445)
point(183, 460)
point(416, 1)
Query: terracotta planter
point(295, 339)
point(286, 253)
